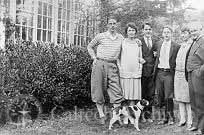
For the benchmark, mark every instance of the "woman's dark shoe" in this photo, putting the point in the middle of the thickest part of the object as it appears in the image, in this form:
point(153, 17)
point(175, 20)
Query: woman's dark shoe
point(162, 122)
point(198, 133)
point(192, 129)
point(181, 124)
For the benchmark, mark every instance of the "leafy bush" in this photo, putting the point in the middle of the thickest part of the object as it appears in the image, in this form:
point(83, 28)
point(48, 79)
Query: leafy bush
point(55, 75)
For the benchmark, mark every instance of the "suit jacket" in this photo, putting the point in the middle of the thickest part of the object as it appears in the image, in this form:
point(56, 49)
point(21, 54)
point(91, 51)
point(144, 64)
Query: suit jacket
point(172, 56)
point(147, 54)
point(196, 52)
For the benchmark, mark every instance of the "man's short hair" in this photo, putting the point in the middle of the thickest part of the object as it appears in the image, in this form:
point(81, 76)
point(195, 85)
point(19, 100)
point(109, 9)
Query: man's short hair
point(146, 23)
point(168, 27)
point(196, 25)
point(112, 18)
point(131, 25)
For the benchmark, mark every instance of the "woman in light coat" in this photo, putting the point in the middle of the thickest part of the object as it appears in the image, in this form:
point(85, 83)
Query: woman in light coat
point(130, 65)
point(181, 89)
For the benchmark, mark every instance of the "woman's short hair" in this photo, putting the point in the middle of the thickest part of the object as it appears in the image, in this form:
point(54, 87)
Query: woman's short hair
point(131, 25)
point(183, 29)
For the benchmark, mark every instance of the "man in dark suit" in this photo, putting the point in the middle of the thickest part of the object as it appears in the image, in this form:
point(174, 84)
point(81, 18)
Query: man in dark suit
point(195, 74)
point(148, 54)
point(165, 69)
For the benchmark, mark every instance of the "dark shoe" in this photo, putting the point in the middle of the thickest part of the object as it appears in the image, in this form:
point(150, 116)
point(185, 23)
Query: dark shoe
point(162, 122)
point(102, 120)
point(189, 126)
point(198, 133)
point(192, 129)
point(170, 122)
point(181, 124)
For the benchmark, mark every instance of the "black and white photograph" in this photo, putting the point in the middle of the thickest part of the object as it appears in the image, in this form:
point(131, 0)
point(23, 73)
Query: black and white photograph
point(101, 67)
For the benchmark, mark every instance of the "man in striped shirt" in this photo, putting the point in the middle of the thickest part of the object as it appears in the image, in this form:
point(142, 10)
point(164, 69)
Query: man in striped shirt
point(105, 73)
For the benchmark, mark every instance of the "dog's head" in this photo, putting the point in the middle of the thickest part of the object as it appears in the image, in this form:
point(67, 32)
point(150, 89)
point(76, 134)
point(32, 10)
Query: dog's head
point(144, 102)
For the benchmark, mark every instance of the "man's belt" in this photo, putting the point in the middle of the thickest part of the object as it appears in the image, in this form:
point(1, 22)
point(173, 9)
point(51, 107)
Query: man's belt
point(106, 60)
point(164, 69)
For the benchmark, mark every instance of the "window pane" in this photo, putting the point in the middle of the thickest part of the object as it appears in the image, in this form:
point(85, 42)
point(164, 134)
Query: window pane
point(68, 15)
point(63, 26)
point(58, 37)
point(75, 30)
point(44, 22)
point(24, 33)
point(60, 13)
point(30, 34)
point(82, 30)
point(39, 7)
point(49, 23)
point(60, 3)
point(67, 30)
point(17, 32)
point(44, 35)
point(50, 10)
point(59, 25)
point(17, 2)
point(64, 3)
point(18, 19)
point(68, 4)
point(38, 34)
point(67, 39)
point(82, 41)
point(75, 39)
point(63, 38)
point(30, 21)
point(39, 21)
point(79, 41)
point(24, 21)
point(44, 8)
point(79, 28)
point(64, 14)
point(50, 1)
point(49, 36)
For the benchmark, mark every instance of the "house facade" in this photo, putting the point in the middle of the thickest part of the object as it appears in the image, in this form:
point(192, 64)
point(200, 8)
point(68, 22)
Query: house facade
point(59, 21)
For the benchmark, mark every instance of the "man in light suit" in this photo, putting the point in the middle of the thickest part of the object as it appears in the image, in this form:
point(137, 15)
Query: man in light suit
point(165, 70)
point(195, 77)
point(148, 54)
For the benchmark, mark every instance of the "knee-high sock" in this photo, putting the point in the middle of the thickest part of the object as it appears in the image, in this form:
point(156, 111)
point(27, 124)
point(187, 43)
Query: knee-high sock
point(189, 113)
point(100, 109)
point(182, 112)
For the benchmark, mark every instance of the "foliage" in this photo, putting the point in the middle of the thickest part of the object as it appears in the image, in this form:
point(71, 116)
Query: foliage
point(140, 11)
point(54, 75)
point(9, 27)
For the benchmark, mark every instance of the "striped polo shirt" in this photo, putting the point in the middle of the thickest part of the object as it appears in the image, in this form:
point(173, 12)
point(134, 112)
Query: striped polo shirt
point(107, 47)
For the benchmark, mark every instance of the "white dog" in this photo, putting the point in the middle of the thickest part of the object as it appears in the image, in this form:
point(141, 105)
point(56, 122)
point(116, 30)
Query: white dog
point(130, 112)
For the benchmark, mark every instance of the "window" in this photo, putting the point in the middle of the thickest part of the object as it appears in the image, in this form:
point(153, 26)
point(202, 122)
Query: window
point(45, 20)
point(24, 19)
point(79, 39)
point(63, 21)
point(91, 27)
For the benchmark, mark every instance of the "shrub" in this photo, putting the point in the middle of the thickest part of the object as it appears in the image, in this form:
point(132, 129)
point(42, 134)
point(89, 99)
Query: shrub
point(55, 75)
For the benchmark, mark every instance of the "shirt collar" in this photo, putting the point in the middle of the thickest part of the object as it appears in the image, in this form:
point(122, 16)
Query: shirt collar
point(147, 38)
point(110, 36)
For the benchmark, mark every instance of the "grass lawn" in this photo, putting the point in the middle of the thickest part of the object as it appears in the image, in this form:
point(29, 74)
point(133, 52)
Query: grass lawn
point(86, 123)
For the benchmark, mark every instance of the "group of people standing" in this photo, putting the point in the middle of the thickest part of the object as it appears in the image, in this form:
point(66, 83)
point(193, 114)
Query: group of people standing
point(135, 68)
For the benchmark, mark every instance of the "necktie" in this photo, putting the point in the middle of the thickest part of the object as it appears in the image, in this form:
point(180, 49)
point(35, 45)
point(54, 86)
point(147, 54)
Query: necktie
point(148, 43)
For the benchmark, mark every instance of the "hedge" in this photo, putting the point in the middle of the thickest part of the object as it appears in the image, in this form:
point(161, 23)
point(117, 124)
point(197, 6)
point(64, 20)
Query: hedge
point(54, 75)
